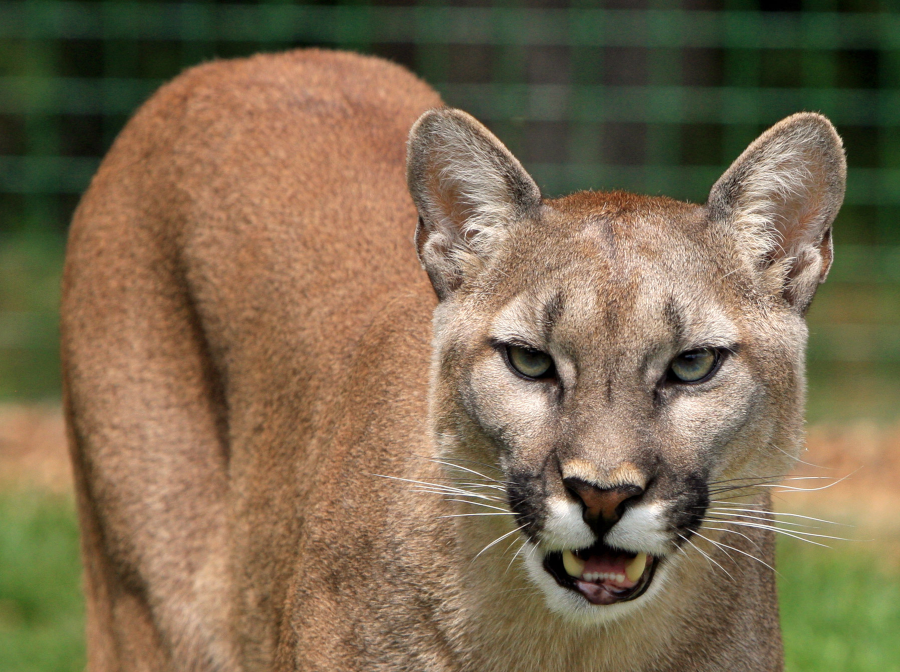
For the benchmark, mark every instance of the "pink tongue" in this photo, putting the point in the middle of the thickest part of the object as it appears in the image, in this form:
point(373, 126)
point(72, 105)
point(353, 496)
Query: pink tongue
point(608, 563)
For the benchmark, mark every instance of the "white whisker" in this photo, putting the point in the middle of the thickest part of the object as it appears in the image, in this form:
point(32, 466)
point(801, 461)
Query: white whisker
point(744, 516)
point(705, 555)
point(778, 513)
point(723, 544)
point(437, 486)
point(461, 468)
point(487, 506)
point(808, 464)
point(791, 488)
point(498, 540)
point(458, 493)
point(515, 556)
point(725, 529)
point(792, 533)
point(483, 485)
point(733, 504)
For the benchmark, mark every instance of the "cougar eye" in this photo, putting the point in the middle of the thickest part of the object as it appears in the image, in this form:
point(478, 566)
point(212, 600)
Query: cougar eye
point(529, 363)
point(694, 366)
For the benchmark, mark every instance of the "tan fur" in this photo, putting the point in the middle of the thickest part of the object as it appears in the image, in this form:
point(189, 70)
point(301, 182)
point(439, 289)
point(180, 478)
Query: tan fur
point(265, 420)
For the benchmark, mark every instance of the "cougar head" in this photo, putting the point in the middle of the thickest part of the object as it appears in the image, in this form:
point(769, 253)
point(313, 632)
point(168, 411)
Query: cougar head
point(615, 365)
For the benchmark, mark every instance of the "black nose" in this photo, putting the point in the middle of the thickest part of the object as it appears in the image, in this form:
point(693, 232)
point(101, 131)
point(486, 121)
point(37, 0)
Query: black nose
point(602, 506)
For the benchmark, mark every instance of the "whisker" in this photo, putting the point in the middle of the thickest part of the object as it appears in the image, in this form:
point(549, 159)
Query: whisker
point(498, 540)
point(462, 468)
point(746, 478)
point(465, 459)
point(524, 543)
point(740, 534)
point(744, 516)
point(705, 555)
point(789, 533)
point(447, 488)
point(728, 503)
point(487, 506)
point(772, 478)
point(793, 532)
point(510, 545)
point(780, 513)
point(752, 557)
point(502, 488)
point(469, 515)
point(740, 495)
point(752, 481)
point(463, 493)
point(746, 486)
point(791, 488)
point(458, 493)
point(722, 547)
point(440, 489)
point(757, 483)
point(808, 464)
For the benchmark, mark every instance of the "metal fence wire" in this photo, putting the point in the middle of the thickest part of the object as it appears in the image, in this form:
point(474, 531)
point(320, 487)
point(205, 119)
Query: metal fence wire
point(647, 95)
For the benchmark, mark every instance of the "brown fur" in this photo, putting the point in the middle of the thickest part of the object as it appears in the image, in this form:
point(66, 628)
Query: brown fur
point(247, 342)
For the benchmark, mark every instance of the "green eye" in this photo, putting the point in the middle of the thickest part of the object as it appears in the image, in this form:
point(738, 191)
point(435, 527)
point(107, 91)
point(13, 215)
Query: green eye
point(694, 366)
point(530, 363)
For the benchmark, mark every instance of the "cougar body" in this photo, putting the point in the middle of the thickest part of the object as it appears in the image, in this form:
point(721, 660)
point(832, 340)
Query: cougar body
point(283, 429)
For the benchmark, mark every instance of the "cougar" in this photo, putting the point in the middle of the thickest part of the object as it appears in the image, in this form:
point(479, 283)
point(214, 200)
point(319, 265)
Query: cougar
point(295, 450)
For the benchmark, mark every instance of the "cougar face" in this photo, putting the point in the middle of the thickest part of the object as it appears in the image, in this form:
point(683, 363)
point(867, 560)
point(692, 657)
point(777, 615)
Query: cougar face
point(623, 363)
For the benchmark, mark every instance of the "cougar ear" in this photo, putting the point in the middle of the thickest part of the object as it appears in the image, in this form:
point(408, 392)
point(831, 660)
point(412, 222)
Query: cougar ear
point(467, 188)
point(780, 198)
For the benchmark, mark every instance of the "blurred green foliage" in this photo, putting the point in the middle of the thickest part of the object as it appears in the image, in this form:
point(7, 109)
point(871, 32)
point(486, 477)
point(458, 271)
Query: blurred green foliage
point(41, 606)
point(30, 269)
point(840, 608)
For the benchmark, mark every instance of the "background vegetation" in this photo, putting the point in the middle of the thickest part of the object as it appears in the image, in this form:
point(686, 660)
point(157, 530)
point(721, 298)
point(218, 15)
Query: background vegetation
point(657, 96)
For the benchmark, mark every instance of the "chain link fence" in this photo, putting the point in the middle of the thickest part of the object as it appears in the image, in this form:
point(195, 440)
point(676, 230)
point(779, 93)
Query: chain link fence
point(645, 95)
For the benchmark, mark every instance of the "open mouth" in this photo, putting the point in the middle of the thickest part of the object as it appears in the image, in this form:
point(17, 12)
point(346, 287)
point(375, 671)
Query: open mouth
point(602, 574)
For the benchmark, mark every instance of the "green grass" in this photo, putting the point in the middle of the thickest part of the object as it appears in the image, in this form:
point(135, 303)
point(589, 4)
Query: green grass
point(41, 608)
point(840, 608)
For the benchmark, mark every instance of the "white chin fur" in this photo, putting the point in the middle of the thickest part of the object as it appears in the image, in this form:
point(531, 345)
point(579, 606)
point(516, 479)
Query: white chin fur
point(573, 607)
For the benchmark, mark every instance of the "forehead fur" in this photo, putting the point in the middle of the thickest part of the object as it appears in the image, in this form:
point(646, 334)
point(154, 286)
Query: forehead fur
point(612, 242)
point(623, 222)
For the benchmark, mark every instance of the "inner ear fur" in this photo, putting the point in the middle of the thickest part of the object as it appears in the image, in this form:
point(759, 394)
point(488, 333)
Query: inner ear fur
point(780, 198)
point(468, 189)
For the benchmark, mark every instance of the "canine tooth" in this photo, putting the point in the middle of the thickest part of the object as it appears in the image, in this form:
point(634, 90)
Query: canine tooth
point(636, 567)
point(574, 566)
point(620, 578)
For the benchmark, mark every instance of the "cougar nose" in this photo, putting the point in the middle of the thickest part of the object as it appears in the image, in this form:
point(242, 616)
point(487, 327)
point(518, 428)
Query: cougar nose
point(602, 506)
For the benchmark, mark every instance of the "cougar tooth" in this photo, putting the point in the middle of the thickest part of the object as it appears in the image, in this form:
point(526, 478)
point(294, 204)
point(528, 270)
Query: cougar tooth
point(636, 567)
point(574, 566)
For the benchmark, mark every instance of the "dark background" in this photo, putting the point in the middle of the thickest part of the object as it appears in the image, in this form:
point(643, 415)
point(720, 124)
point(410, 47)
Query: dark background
point(657, 97)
